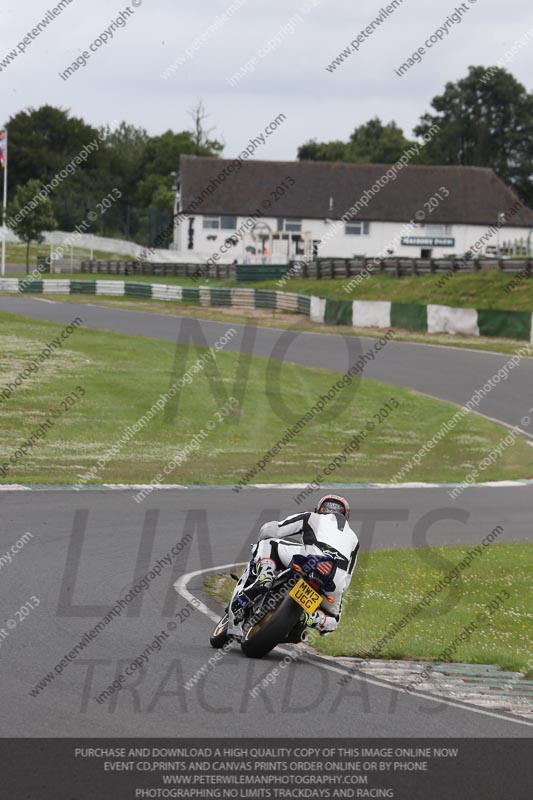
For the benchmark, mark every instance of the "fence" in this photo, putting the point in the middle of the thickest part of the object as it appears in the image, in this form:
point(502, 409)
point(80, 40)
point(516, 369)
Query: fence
point(163, 269)
point(350, 267)
point(318, 269)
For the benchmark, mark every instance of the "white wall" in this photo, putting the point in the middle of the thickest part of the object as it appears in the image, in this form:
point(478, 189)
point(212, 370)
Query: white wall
point(381, 236)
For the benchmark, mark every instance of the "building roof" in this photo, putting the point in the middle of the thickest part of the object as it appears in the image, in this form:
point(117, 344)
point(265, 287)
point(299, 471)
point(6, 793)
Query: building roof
point(477, 196)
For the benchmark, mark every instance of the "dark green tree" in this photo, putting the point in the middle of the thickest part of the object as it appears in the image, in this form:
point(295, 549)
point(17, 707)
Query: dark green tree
point(42, 141)
point(486, 120)
point(376, 143)
point(371, 143)
point(323, 151)
point(36, 215)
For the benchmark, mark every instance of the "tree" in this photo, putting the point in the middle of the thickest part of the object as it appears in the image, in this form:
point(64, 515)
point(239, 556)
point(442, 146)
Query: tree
point(323, 151)
point(161, 159)
point(486, 120)
point(376, 143)
point(201, 135)
point(371, 143)
point(123, 151)
point(42, 141)
point(30, 215)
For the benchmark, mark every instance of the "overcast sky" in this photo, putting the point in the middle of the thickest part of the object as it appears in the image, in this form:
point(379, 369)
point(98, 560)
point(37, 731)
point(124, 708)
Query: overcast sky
point(122, 79)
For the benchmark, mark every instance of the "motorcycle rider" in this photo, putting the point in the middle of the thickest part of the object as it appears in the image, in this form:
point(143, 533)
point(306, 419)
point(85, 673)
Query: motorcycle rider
point(324, 531)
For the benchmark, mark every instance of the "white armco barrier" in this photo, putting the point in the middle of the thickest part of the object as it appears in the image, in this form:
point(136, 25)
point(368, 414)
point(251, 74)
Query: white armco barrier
point(318, 309)
point(9, 284)
point(110, 287)
point(286, 301)
point(371, 314)
point(56, 287)
point(444, 319)
point(165, 292)
point(242, 297)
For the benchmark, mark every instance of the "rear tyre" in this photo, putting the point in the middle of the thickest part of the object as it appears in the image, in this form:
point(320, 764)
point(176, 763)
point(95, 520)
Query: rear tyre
point(272, 630)
point(220, 636)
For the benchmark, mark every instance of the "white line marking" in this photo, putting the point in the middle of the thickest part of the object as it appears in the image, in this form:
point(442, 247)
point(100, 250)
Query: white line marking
point(181, 587)
point(117, 487)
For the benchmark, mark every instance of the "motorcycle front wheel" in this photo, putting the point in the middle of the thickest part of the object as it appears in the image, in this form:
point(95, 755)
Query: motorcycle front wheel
point(220, 636)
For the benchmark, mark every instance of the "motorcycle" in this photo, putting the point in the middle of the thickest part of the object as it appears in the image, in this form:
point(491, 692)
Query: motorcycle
point(279, 614)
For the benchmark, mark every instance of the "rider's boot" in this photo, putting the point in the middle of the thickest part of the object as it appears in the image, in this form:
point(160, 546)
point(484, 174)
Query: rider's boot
point(266, 569)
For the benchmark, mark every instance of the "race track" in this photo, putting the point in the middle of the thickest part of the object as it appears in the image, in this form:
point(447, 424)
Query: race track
point(448, 373)
point(90, 547)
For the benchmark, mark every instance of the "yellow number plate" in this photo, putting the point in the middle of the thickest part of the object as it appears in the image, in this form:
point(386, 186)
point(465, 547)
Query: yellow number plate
point(305, 596)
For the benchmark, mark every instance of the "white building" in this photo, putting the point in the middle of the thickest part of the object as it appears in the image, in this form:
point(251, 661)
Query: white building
point(281, 210)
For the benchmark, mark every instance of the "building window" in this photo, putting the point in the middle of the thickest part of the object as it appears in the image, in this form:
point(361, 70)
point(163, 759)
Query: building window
point(289, 225)
point(357, 228)
point(226, 223)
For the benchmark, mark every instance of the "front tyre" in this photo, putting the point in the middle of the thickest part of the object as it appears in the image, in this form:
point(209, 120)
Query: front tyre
point(220, 636)
point(271, 630)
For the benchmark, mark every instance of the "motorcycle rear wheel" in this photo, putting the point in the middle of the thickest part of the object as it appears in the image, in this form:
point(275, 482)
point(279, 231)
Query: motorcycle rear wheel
point(272, 630)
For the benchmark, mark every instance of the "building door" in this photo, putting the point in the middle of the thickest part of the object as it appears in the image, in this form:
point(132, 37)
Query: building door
point(426, 252)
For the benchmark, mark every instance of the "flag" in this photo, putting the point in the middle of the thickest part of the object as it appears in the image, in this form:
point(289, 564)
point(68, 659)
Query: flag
point(3, 148)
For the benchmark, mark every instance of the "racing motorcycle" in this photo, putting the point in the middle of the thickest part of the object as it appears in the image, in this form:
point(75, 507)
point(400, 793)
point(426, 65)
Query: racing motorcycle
point(279, 614)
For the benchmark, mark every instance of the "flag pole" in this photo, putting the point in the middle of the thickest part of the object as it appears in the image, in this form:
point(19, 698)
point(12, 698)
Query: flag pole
point(4, 206)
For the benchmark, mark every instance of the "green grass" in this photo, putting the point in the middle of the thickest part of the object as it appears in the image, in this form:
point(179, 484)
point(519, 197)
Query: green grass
point(388, 583)
point(281, 319)
point(16, 254)
point(103, 276)
point(477, 290)
point(123, 376)
point(481, 290)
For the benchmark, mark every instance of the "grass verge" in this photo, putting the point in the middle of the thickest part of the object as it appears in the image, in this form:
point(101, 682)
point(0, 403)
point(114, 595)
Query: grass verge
point(387, 584)
point(123, 376)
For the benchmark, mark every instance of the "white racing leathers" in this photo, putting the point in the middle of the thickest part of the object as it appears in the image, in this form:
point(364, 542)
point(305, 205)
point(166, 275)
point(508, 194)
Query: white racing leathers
point(308, 534)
